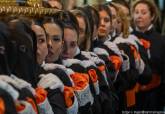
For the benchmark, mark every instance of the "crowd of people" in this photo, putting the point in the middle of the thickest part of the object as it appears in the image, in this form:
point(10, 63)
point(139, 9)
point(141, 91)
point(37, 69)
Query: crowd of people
point(101, 59)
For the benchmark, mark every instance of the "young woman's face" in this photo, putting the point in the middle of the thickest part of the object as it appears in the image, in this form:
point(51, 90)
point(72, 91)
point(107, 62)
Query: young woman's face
point(54, 41)
point(142, 16)
point(105, 24)
point(114, 18)
point(82, 28)
point(119, 25)
point(42, 49)
point(70, 43)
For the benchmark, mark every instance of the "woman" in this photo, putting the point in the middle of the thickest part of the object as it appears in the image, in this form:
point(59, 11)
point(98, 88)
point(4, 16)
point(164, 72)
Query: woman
point(130, 46)
point(42, 49)
point(105, 23)
point(114, 9)
point(84, 29)
point(71, 53)
point(104, 37)
point(57, 96)
point(144, 17)
point(54, 32)
point(93, 15)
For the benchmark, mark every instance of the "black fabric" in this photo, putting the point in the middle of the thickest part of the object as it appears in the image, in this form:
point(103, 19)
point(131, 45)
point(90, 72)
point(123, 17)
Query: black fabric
point(109, 64)
point(102, 102)
point(131, 75)
point(55, 96)
point(25, 93)
point(96, 106)
point(126, 80)
point(156, 49)
point(146, 76)
point(9, 103)
point(153, 97)
point(56, 100)
point(78, 68)
point(23, 39)
point(87, 109)
point(95, 43)
point(4, 34)
point(111, 52)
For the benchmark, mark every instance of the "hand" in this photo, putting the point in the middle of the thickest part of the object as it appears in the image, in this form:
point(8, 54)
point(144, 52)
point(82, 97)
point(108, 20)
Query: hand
point(8, 88)
point(50, 81)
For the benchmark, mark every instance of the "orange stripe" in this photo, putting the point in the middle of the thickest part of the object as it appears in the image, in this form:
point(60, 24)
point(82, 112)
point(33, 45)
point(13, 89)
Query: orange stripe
point(155, 82)
point(101, 68)
point(41, 95)
point(2, 106)
point(68, 95)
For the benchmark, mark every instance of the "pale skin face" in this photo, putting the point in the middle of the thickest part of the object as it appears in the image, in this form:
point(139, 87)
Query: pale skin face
point(114, 18)
point(142, 17)
point(54, 41)
point(70, 43)
point(119, 26)
point(42, 49)
point(105, 24)
point(82, 27)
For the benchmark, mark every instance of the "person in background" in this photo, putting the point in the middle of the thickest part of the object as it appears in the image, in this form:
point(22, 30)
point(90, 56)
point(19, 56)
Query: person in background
point(144, 17)
point(42, 48)
point(105, 23)
point(93, 15)
point(57, 4)
point(124, 6)
point(84, 29)
point(114, 9)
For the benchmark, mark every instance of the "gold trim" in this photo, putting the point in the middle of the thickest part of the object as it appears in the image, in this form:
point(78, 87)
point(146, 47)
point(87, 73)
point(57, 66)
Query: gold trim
point(34, 8)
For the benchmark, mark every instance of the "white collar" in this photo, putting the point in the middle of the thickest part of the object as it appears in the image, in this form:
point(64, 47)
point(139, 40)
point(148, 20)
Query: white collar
point(108, 38)
point(149, 28)
point(114, 33)
point(77, 51)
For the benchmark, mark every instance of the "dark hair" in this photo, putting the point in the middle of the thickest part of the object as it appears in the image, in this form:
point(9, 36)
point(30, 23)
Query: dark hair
point(4, 41)
point(68, 20)
point(52, 20)
point(59, 23)
point(111, 4)
point(93, 15)
point(80, 12)
point(104, 7)
point(152, 8)
point(123, 3)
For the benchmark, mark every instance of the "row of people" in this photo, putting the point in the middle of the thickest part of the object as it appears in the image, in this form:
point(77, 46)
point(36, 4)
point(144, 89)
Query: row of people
point(87, 60)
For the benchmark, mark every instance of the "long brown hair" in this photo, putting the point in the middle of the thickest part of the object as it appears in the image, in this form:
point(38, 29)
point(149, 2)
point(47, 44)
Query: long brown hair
point(87, 43)
point(124, 21)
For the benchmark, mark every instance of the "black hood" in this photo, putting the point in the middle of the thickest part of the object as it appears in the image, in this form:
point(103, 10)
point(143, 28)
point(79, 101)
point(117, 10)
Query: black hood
point(22, 60)
point(4, 33)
